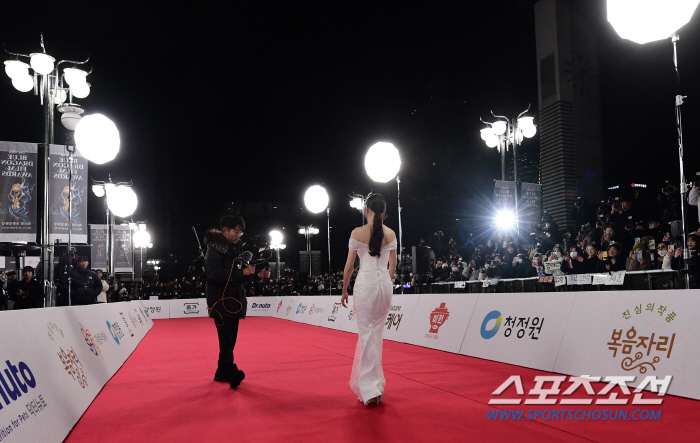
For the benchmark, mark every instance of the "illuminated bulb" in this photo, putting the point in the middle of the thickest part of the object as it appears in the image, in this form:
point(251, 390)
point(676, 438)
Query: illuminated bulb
point(16, 68)
point(41, 63)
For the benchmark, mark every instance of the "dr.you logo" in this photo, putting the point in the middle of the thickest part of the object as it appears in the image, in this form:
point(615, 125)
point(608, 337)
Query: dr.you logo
point(489, 333)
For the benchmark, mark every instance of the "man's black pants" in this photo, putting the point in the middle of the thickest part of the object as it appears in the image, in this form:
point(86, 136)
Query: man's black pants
point(228, 332)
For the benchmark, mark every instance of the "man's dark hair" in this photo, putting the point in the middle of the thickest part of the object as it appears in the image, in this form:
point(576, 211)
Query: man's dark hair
point(28, 268)
point(232, 221)
point(84, 258)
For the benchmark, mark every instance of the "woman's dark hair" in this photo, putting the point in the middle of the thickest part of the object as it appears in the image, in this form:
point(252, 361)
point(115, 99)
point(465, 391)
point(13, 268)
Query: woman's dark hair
point(377, 204)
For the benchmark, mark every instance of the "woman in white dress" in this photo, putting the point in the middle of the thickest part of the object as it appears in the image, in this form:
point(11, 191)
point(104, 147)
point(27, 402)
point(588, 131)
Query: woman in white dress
point(376, 246)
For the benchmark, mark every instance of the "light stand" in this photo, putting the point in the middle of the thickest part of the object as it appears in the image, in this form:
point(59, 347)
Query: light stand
point(398, 192)
point(328, 213)
point(684, 185)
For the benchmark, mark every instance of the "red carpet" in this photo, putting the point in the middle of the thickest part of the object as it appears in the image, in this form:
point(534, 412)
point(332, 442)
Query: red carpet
point(296, 390)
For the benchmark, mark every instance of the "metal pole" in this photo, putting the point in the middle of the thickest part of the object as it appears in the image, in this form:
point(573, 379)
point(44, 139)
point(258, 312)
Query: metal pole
point(328, 212)
point(679, 102)
point(278, 263)
point(70, 220)
point(514, 129)
point(400, 254)
point(502, 147)
point(43, 172)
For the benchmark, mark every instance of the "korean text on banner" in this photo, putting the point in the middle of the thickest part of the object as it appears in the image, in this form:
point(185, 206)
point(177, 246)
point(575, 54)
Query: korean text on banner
point(18, 182)
point(64, 201)
point(635, 334)
point(504, 194)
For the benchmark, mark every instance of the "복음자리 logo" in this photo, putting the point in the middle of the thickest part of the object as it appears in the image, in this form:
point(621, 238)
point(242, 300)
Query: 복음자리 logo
point(493, 315)
point(438, 318)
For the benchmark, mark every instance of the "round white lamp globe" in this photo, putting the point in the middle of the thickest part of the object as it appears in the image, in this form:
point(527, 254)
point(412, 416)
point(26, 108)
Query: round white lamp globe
point(70, 120)
point(98, 190)
point(499, 128)
point(74, 76)
point(122, 201)
point(316, 199)
point(41, 63)
point(141, 239)
point(23, 83)
point(81, 90)
point(97, 138)
point(16, 68)
point(382, 162)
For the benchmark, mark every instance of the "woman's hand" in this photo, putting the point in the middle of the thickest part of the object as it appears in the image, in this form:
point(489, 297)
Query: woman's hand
point(344, 298)
point(678, 253)
point(600, 255)
point(579, 258)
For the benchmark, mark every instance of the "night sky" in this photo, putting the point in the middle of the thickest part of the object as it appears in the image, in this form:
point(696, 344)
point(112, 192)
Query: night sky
point(255, 102)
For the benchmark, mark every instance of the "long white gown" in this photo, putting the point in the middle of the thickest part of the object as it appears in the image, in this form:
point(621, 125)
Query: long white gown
point(372, 298)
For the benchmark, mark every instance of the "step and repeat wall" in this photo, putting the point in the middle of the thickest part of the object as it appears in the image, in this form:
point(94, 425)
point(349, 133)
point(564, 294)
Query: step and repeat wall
point(54, 361)
point(632, 333)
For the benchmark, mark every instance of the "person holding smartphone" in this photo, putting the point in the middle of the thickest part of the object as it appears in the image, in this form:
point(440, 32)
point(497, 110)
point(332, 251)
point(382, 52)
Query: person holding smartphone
point(665, 251)
point(611, 262)
point(640, 260)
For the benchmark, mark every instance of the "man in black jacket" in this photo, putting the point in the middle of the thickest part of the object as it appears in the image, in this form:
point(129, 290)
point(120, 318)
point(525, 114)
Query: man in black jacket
point(26, 293)
point(85, 284)
point(226, 276)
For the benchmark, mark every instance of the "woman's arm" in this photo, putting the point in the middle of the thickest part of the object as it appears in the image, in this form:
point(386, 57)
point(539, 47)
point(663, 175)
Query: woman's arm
point(392, 263)
point(347, 273)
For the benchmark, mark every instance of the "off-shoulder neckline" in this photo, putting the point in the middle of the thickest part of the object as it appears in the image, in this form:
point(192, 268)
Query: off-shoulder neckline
point(365, 244)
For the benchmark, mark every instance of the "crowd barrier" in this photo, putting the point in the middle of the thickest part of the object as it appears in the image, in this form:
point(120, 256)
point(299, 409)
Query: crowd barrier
point(633, 280)
point(56, 360)
point(606, 333)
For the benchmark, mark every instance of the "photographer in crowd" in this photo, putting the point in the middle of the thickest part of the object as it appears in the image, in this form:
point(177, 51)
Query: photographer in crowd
point(26, 293)
point(85, 284)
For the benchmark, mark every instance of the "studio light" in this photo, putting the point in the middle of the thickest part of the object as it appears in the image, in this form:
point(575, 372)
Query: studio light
point(505, 219)
point(122, 201)
point(141, 239)
point(382, 162)
point(97, 138)
point(644, 21)
point(316, 199)
point(275, 238)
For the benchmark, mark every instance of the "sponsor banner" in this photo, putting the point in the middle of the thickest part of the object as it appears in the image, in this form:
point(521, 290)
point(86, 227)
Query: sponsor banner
point(399, 318)
point(300, 308)
point(504, 194)
point(183, 308)
point(520, 329)
point(346, 320)
point(287, 309)
point(98, 239)
point(634, 334)
point(157, 309)
point(332, 316)
point(439, 321)
point(122, 249)
point(67, 199)
point(18, 186)
point(60, 362)
point(261, 306)
point(317, 310)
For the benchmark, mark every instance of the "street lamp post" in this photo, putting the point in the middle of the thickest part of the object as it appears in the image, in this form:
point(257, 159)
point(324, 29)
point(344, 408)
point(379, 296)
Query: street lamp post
point(142, 240)
point(120, 200)
point(645, 22)
point(504, 133)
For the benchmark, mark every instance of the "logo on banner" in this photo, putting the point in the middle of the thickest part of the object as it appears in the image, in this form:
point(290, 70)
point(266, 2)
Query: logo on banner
point(394, 318)
point(115, 331)
point(190, 309)
point(131, 333)
point(279, 306)
point(261, 306)
point(491, 332)
point(437, 318)
point(73, 366)
point(289, 308)
point(94, 347)
point(53, 329)
point(144, 315)
point(12, 376)
point(336, 308)
point(301, 308)
point(311, 309)
point(351, 314)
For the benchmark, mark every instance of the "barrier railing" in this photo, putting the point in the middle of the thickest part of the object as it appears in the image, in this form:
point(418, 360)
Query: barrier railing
point(632, 281)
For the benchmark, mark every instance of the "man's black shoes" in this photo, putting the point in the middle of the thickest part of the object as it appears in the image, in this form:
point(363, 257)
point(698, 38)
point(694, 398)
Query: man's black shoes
point(236, 379)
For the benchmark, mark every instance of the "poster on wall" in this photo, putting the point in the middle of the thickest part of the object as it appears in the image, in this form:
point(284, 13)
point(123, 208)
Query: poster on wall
point(67, 204)
point(122, 249)
point(18, 185)
point(504, 194)
point(98, 239)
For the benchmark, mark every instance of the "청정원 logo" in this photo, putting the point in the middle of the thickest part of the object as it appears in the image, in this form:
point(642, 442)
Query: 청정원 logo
point(491, 332)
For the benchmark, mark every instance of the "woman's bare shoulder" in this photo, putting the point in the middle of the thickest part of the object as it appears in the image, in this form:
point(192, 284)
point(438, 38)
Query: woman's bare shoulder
point(389, 234)
point(359, 233)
